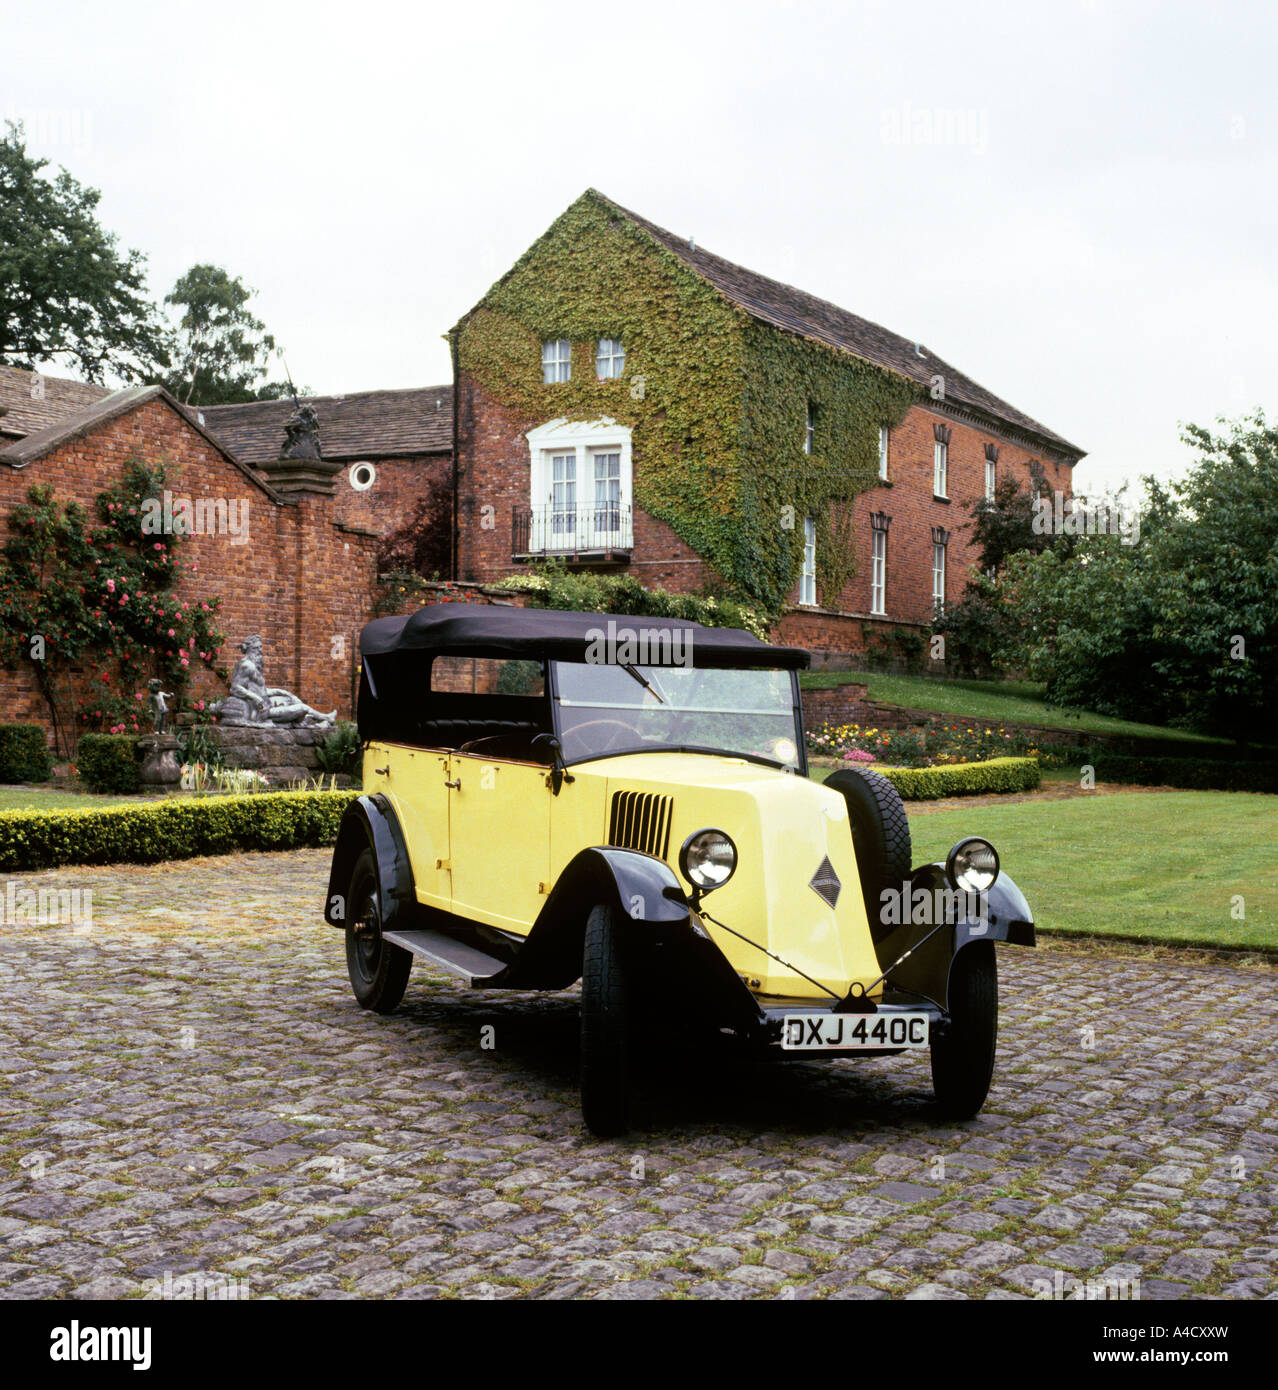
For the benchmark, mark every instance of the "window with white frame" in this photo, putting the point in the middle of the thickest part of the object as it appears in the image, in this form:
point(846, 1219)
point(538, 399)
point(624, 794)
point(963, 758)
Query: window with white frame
point(610, 359)
point(809, 429)
point(940, 540)
point(580, 487)
point(807, 581)
point(606, 467)
point(883, 451)
point(940, 467)
point(991, 470)
point(556, 361)
point(878, 564)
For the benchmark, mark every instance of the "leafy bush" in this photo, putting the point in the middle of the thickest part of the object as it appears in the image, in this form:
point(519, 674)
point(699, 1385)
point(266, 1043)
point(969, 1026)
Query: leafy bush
point(518, 677)
point(178, 828)
point(1196, 774)
point(895, 648)
point(196, 745)
point(554, 587)
point(24, 755)
point(964, 779)
point(341, 751)
point(108, 762)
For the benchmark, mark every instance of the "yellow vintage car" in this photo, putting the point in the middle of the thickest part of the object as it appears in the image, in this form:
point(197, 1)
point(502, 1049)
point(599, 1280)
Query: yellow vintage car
point(553, 796)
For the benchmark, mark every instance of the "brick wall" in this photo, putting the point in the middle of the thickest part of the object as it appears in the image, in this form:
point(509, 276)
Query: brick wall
point(302, 582)
point(399, 484)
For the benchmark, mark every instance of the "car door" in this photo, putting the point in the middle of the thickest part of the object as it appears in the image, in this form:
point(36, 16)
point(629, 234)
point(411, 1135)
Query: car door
point(415, 780)
point(499, 834)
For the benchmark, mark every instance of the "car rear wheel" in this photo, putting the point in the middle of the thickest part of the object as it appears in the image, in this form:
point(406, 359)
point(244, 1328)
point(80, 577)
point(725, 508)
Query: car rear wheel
point(605, 1027)
point(880, 837)
point(963, 1054)
point(377, 968)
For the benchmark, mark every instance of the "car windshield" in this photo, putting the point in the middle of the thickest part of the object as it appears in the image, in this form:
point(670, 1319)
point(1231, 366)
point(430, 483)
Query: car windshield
point(603, 708)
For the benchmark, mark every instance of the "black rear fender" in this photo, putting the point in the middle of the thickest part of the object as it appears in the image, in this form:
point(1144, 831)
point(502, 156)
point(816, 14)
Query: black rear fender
point(370, 823)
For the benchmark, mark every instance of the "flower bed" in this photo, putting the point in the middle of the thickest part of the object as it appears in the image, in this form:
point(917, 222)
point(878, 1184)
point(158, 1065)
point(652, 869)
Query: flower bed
point(933, 746)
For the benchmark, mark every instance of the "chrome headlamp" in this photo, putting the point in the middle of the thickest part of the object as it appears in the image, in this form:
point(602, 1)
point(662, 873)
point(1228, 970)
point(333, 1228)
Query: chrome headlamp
point(708, 859)
point(972, 865)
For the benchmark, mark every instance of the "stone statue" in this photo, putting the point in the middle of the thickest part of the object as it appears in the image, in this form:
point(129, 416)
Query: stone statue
point(252, 701)
point(159, 705)
point(301, 434)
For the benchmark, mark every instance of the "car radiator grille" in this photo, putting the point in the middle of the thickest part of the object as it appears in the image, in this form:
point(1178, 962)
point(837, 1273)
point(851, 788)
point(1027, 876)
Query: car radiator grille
point(641, 820)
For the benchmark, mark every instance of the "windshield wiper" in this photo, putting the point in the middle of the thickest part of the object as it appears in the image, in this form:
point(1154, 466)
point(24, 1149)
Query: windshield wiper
point(643, 681)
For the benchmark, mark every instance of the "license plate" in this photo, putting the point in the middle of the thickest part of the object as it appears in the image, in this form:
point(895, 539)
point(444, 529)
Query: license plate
point(819, 1032)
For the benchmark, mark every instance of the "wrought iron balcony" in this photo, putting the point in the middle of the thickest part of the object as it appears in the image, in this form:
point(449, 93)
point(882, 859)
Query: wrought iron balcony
point(601, 531)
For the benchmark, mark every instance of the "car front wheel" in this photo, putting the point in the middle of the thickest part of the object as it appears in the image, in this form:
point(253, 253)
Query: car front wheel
point(963, 1054)
point(605, 1027)
point(378, 969)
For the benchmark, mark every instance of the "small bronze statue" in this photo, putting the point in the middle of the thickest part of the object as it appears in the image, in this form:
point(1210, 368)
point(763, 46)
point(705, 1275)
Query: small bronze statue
point(301, 434)
point(159, 705)
point(252, 701)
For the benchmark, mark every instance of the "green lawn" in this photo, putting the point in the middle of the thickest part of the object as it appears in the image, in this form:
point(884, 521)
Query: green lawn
point(1016, 701)
point(49, 799)
point(1156, 866)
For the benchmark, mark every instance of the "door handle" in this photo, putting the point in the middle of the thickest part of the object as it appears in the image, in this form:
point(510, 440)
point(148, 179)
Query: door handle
point(456, 784)
point(382, 771)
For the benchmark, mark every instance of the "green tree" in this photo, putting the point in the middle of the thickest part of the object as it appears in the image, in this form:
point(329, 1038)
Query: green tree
point(66, 290)
point(1180, 627)
point(220, 352)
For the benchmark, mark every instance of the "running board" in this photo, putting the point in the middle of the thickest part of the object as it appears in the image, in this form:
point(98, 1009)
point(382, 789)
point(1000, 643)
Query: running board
point(448, 953)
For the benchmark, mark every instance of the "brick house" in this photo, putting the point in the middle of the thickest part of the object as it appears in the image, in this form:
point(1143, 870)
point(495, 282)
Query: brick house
point(297, 573)
point(592, 472)
point(392, 446)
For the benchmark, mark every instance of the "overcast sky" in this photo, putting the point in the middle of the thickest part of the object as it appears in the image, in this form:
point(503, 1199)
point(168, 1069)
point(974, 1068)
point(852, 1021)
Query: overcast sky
point(1073, 203)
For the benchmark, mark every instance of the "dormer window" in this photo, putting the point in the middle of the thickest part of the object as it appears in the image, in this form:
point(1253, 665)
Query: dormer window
point(610, 359)
point(556, 361)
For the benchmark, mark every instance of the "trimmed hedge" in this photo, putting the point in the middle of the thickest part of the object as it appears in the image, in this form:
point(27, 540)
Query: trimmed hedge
point(1196, 774)
point(109, 762)
point(964, 779)
point(24, 755)
point(179, 828)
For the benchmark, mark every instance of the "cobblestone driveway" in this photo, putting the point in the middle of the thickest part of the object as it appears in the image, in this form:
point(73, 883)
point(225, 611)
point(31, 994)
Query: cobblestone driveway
point(189, 1089)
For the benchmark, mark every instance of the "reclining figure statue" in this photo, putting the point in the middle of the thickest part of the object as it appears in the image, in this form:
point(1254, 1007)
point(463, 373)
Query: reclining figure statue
point(252, 701)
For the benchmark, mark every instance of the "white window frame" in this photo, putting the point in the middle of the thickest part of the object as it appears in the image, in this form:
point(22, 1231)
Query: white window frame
point(610, 359)
point(878, 573)
point(809, 428)
point(583, 439)
point(938, 574)
point(556, 361)
point(807, 579)
point(883, 452)
point(940, 468)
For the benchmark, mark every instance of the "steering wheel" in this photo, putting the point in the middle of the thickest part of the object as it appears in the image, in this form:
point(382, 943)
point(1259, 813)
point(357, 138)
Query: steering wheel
point(619, 724)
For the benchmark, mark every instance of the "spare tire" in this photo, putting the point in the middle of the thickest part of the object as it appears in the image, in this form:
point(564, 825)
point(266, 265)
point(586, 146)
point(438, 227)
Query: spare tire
point(880, 837)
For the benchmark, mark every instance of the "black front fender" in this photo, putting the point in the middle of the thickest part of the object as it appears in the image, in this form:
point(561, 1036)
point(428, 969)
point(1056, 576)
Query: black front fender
point(370, 823)
point(927, 971)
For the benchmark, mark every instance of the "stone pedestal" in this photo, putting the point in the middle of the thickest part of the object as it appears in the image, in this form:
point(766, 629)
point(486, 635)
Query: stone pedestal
point(159, 760)
point(281, 753)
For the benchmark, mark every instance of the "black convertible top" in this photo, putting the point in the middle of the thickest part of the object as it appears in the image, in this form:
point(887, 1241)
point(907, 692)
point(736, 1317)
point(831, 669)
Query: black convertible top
point(495, 630)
